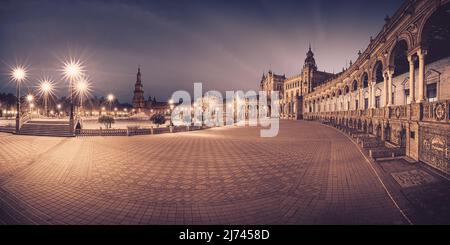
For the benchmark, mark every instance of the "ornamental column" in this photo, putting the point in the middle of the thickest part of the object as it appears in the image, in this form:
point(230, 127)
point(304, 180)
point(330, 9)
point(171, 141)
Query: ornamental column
point(421, 96)
point(361, 99)
point(372, 96)
point(385, 90)
point(389, 91)
point(412, 76)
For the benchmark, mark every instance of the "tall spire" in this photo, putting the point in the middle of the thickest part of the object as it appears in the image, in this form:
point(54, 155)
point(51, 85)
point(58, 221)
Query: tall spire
point(138, 98)
point(138, 75)
point(309, 46)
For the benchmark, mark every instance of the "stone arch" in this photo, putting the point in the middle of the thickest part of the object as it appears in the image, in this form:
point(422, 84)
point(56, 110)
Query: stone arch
point(377, 73)
point(365, 80)
point(434, 33)
point(398, 57)
point(377, 130)
point(346, 89)
point(387, 132)
point(354, 85)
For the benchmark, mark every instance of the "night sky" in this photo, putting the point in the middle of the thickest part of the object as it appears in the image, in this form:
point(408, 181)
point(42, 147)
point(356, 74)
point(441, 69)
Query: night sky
point(224, 44)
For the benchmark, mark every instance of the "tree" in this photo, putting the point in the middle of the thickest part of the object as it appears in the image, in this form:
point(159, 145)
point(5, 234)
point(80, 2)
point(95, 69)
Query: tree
point(158, 119)
point(106, 120)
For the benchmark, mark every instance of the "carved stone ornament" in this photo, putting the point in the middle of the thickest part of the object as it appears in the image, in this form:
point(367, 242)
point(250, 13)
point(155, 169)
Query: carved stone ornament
point(439, 111)
point(397, 112)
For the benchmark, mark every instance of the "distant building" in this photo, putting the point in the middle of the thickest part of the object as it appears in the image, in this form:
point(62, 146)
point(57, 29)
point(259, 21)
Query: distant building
point(149, 107)
point(138, 98)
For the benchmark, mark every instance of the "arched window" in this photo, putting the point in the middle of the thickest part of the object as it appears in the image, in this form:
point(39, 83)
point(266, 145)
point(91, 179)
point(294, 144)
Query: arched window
point(399, 59)
point(365, 80)
point(354, 85)
point(378, 72)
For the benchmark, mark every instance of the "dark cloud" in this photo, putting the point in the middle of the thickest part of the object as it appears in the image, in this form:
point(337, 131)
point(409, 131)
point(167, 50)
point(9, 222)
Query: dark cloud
point(225, 44)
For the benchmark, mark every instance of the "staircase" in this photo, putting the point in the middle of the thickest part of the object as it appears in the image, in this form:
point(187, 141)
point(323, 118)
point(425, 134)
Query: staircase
point(57, 128)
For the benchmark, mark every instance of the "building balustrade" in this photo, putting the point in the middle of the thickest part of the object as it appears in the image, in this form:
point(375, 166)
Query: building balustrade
point(438, 111)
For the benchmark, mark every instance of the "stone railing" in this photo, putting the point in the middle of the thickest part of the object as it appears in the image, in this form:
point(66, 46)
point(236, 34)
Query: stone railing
point(24, 118)
point(399, 112)
point(132, 131)
point(7, 129)
point(378, 112)
point(436, 111)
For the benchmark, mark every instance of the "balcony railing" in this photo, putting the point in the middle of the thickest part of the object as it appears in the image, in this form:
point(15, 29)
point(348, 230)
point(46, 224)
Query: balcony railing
point(436, 111)
point(399, 112)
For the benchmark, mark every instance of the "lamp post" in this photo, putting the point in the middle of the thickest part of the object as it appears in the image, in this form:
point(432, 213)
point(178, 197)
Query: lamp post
point(110, 98)
point(18, 74)
point(30, 99)
point(82, 89)
point(46, 88)
point(72, 71)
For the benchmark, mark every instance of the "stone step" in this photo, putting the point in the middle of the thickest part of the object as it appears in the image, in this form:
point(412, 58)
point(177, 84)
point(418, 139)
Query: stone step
point(384, 152)
point(48, 122)
point(46, 128)
point(48, 134)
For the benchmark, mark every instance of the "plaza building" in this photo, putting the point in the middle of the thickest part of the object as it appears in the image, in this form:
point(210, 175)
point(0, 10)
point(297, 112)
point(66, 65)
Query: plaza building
point(292, 89)
point(150, 106)
point(397, 92)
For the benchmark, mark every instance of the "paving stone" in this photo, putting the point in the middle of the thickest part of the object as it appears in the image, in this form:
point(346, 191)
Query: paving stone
point(308, 174)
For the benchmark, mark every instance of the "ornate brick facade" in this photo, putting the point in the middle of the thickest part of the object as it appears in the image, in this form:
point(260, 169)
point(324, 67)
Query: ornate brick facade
point(397, 91)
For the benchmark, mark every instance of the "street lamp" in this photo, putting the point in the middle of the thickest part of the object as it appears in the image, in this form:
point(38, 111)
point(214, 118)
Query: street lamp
point(110, 98)
point(72, 70)
point(18, 74)
point(31, 108)
point(58, 106)
point(82, 89)
point(30, 99)
point(46, 88)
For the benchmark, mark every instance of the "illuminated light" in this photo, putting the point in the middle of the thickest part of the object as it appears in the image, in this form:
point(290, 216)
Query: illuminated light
point(110, 97)
point(30, 97)
point(46, 87)
point(83, 86)
point(73, 69)
point(19, 73)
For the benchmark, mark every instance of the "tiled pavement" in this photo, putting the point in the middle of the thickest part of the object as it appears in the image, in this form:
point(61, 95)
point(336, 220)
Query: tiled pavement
point(308, 174)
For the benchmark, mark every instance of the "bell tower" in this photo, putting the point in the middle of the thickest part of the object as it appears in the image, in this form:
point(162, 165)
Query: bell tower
point(309, 68)
point(138, 98)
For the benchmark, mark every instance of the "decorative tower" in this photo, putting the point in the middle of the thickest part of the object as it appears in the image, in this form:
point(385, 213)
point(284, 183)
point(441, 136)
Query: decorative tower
point(309, 68)
point(138, 98)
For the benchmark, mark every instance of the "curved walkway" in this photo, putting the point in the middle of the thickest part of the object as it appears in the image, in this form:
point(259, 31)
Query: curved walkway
point(308, 174)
